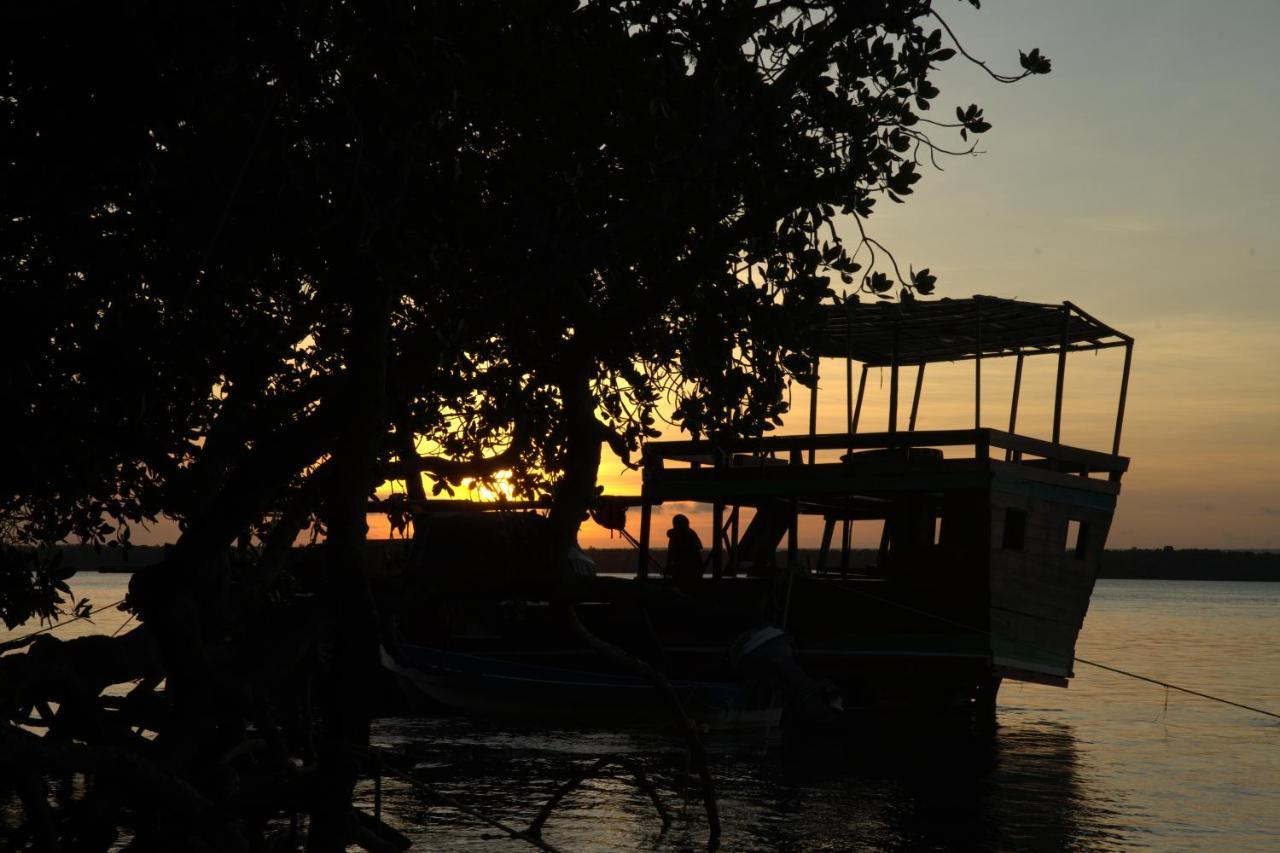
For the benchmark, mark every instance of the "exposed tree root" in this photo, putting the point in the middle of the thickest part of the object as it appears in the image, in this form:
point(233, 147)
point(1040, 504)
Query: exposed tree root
point(686, 724)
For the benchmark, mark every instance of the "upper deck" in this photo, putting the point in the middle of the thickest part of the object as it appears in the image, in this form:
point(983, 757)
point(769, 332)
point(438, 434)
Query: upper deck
point(851, 475)
point(896, 334)
point(867, 466)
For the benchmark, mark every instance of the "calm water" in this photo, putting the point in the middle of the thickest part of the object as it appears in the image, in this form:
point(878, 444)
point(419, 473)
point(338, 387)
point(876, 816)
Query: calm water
point(1103, 765)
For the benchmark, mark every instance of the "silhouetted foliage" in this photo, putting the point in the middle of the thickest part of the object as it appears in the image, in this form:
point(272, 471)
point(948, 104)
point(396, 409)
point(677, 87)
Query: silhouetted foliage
point(252, 254)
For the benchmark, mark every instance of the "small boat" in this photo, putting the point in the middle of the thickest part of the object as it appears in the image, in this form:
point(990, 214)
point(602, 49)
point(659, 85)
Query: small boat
point(491, 686)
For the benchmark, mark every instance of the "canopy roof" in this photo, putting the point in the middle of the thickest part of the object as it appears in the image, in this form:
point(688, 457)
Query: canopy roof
point(957, 329)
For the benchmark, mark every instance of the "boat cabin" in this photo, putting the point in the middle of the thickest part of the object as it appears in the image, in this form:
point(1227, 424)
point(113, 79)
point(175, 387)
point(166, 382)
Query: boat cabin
point(990, 539)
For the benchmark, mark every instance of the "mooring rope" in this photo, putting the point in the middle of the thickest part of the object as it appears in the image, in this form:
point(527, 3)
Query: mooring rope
point(635, 543)
point(124, 624)
point(1117, 670)
point(1170, 686)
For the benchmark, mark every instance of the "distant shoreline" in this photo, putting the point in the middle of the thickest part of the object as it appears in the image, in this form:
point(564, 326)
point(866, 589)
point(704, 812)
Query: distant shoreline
point(1198, 564)
point(1190, 564)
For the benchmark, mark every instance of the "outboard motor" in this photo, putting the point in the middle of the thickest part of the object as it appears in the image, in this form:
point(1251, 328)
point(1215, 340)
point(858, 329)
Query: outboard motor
point(768, 655)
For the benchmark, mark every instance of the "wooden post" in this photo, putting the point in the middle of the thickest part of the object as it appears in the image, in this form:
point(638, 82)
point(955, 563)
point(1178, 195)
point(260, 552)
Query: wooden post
point(846, 543)
point(717, 539)
point(1124, 394)
point(852, 413)
point(977, 368)
point(646, 520)
point(1062, 375)
point(733, 542)
point(828, 527)
point(793, 538)
point(857, 410)
point(793, 532)
point(915, 399)
point(813, 408)
point(848, 394)
point(1017, 392)
point(1013, 405)
point(893, 386)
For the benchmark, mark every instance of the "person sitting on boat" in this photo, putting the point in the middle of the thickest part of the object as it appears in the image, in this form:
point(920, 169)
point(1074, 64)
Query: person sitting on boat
point(684, 552)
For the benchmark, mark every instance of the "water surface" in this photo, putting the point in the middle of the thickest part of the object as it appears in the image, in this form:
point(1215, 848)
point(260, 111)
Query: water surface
point(1107, 764)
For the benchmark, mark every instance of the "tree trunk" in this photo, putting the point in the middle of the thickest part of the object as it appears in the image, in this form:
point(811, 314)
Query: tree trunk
point(347, 601)
point(577, 486)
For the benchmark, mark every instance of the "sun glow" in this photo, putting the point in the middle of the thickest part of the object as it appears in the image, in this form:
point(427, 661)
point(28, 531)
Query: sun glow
point(496, 488)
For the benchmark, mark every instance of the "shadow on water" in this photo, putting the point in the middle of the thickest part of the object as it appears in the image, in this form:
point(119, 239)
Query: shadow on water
point(911, 786)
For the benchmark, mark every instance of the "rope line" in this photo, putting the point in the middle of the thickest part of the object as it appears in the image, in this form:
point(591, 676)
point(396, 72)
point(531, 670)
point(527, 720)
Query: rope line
point(1165, 684)
point(635, 543)
point(124, 624)
point(1169, 686)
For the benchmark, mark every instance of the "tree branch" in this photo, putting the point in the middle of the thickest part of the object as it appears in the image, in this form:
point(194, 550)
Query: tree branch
point(453, 470)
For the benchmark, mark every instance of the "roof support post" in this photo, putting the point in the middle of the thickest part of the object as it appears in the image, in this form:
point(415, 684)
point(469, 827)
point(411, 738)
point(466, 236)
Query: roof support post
point(646, 521)
point(828, 528)
point(848, 394)
point(733, 540)
point(1062, 375)
point(915, 399)
point(717, 540)
point(793, 538)
point(793, 529)
point(857, 409)
point(1013, 405)
point(1124, 394)
point(721, 461)
point(813, 407)
point(893, 385)
point(977, 367)
point(846, 540)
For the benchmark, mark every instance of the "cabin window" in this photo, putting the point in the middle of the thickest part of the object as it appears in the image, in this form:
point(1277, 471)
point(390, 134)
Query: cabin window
point(1015, 529)
point(1077, 538)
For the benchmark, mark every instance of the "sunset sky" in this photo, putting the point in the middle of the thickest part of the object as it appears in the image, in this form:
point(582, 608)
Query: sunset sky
point(1139, 180)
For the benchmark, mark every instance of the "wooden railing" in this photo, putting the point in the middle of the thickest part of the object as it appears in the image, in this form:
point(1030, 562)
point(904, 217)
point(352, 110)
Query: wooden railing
point(1016, 448)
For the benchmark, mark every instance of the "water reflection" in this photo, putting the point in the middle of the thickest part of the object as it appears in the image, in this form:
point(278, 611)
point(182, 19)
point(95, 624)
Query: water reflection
point(921, 788)
point(914, 787)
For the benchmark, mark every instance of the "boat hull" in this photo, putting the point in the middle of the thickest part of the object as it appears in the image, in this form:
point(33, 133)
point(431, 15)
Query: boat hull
point(496, 687)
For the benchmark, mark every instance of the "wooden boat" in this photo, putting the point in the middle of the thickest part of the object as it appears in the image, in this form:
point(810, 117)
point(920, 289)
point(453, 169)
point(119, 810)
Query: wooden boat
point(990, 540)
point(488, 685)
